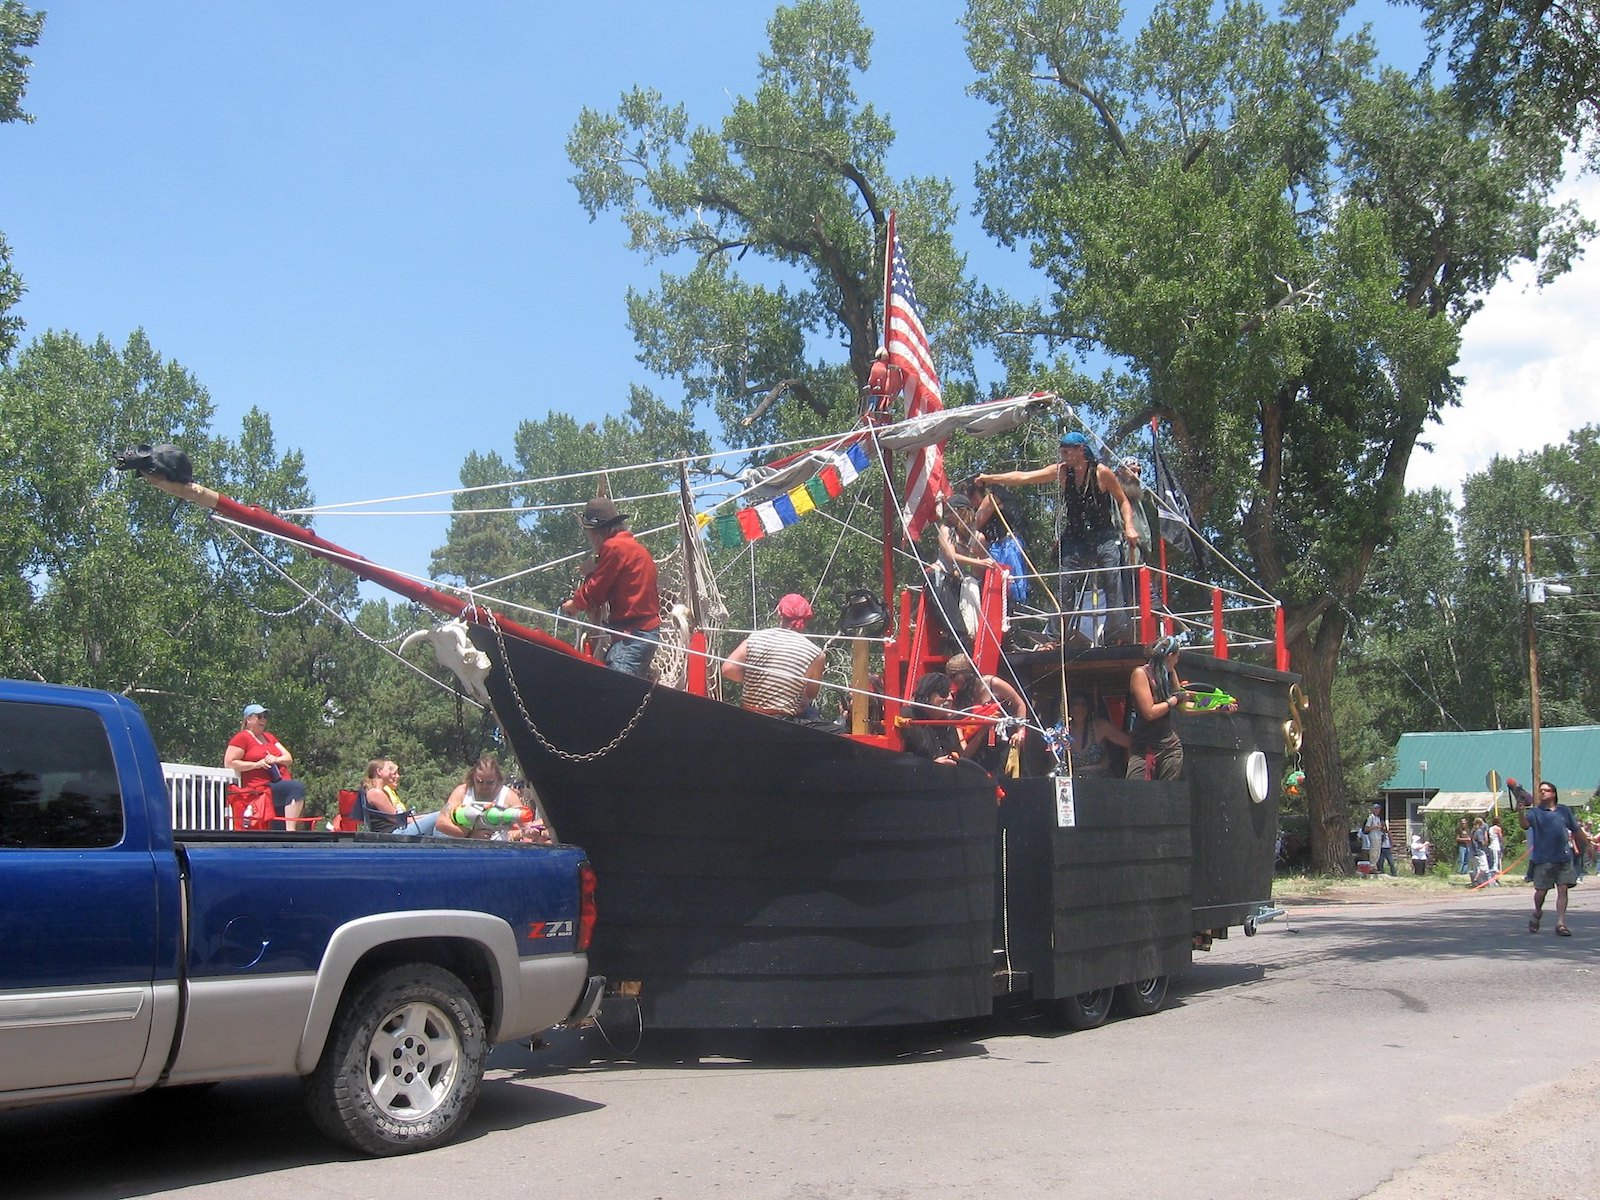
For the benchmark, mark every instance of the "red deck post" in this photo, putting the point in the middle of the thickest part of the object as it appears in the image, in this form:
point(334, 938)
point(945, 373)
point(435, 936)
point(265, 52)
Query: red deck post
point(1147, 619)
point(1219, 634)
point(695, 668)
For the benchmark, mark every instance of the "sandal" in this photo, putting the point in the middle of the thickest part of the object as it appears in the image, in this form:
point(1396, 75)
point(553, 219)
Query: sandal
point(1563, 931)
point(1533, 924)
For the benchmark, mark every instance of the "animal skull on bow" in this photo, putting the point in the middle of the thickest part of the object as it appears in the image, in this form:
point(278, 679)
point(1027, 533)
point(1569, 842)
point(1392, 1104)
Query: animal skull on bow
point(454, 650)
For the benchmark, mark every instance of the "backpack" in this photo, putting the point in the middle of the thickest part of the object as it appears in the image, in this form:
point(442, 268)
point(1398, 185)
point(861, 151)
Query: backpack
point(1008, 553)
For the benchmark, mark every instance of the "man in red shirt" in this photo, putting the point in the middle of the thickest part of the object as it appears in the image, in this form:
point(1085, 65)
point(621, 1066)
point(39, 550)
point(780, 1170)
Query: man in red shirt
point(623, 578)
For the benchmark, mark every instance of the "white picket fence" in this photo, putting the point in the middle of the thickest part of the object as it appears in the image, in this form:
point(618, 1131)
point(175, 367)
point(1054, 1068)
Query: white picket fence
point(199, 795)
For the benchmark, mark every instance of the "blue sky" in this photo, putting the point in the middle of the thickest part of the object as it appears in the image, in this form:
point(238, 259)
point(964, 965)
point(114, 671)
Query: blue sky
point(356, 215)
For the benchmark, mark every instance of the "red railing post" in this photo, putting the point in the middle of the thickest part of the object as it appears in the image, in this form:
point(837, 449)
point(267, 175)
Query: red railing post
point(1280, 639)
point(1147, 620)
point(1219, 635)
point(695, 668)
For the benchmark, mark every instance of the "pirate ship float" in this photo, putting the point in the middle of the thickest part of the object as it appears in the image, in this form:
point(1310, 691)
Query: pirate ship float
point(756, 873)
point(761, 874)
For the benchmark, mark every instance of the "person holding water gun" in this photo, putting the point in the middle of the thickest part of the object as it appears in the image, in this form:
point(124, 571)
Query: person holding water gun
point(484, 806)
point(1155, 692)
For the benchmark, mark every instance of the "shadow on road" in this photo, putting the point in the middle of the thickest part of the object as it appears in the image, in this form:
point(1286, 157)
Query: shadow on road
point(161, 1142)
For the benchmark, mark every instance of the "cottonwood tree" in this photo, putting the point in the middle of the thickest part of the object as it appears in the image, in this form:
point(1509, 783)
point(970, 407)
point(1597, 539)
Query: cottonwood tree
point(775, 220)
point(772, 226)
point(1529, 64)
point(1552, 493)
point(19, 31)
point(1282, 242)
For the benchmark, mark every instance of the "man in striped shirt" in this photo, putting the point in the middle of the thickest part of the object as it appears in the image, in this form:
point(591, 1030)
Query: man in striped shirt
point(780, 669)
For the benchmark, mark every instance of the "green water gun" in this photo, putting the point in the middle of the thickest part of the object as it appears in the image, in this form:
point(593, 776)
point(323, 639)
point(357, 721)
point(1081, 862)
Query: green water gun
point(1202, 698)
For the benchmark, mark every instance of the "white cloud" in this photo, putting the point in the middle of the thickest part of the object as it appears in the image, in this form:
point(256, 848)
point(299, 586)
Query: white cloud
point(1531, 365)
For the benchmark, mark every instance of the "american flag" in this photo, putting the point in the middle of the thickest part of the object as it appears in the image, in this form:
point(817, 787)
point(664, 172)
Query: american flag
point(907, 344)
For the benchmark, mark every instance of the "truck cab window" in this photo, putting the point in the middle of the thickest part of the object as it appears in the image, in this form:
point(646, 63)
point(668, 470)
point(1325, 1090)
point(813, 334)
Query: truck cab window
point(58, 782)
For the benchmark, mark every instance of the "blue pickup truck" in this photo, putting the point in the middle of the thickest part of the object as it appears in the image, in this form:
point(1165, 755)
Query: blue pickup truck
point(378, 970)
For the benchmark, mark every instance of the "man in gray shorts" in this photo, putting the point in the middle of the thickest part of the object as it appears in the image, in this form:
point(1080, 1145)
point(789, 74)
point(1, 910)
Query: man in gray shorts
point(1552, 831)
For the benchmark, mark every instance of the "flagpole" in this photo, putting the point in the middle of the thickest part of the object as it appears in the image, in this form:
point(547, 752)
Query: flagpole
point(1161, 540)
point(886, 456)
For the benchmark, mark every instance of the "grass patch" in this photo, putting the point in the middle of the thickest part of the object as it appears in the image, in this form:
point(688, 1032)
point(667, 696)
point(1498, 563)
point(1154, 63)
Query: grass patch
point(1374, 887)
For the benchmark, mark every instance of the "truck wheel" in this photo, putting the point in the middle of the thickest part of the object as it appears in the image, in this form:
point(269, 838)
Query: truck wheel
point(1143, 997)
point(403, 1063)
point(1085, 1010)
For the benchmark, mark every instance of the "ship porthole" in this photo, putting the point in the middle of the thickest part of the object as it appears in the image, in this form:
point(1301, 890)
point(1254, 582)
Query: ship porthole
point(1255, 775)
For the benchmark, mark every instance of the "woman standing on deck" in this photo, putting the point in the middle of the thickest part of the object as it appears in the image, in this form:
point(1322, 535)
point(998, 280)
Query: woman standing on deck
point(1154, 750)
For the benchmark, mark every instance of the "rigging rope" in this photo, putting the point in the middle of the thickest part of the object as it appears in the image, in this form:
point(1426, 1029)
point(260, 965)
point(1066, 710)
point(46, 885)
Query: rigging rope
point(359, 632)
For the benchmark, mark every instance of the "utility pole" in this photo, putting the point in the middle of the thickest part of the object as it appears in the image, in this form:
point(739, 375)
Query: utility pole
point(1528, 601)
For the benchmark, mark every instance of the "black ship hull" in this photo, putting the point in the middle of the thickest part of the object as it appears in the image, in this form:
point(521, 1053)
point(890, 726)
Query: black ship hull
point(758, 874)
point(755, 873)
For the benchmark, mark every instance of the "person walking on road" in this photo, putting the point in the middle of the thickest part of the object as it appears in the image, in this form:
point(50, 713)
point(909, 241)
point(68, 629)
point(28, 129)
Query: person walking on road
point(1552, 830)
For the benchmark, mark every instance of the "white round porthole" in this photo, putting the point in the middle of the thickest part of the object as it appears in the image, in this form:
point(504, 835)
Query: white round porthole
point(1255, 775)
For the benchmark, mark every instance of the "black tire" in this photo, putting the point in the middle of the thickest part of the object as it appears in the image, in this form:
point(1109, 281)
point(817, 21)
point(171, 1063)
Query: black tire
point(403, 1063)
point(1144, 996)
point(1086, 1010)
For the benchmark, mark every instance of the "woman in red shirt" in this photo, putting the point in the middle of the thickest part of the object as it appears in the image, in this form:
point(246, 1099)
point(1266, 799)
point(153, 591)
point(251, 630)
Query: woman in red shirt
point(263, 764)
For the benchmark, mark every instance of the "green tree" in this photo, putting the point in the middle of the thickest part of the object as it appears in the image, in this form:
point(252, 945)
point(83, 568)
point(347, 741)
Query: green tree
point(773, 224)
point(103, 587)
point(1413, 664)
point(1282, 244)
point(19, 31)
point(1529, 64)
point(790, 189)
point(1552, 494)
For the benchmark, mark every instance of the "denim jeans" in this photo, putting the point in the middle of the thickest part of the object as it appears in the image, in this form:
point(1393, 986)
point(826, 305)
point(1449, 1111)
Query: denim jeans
point(1103, 561)
point(633, 654)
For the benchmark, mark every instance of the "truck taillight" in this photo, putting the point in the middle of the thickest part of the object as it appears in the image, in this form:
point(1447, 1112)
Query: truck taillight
point(586, 906)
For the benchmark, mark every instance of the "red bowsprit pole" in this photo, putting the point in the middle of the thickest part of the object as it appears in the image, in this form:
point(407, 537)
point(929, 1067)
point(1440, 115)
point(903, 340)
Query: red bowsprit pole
point(1219, 634)
point(254, 517)
point(1280, 639)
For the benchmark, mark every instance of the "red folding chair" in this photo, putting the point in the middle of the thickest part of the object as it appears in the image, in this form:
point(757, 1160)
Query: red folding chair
point(346, 822)
point(251, 808)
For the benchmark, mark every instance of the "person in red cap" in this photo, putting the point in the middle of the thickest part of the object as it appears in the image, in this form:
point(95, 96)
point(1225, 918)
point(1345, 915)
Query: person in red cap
point(624, 578)
point(780, 669)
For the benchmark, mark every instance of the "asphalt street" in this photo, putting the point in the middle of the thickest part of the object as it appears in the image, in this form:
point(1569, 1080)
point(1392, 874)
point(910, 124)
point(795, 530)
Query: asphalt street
point(1345, 1048)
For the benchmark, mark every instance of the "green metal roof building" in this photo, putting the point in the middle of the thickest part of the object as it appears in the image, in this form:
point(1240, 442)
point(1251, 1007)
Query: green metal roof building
point(1449, 772)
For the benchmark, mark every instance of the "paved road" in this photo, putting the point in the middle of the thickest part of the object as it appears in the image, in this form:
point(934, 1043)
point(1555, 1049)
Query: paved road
point(1316, 1060)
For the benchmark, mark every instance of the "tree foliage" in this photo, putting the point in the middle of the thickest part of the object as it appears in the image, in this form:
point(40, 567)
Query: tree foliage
point(1527, 64)
point(1440, 634)
point(19, 31)
point(1282, 243)
point(779, 215)
point(106, 582)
